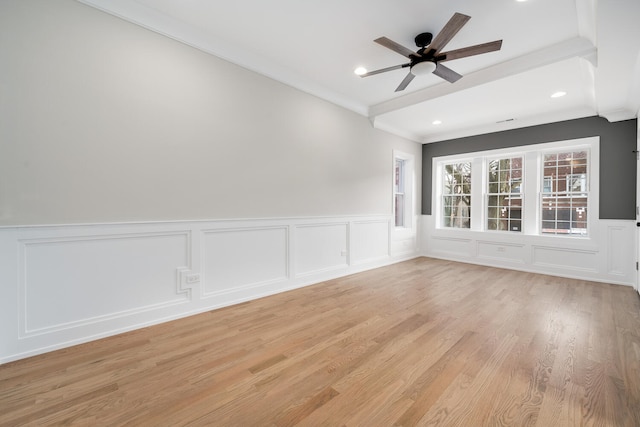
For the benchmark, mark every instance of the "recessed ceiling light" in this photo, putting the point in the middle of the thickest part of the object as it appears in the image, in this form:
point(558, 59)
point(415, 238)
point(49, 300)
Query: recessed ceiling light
point(436, 122)
point(558, 94)
point(360, 71)
point(521, 1)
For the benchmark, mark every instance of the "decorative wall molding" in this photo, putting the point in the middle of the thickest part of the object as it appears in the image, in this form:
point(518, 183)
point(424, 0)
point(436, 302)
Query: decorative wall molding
point(98, 278)
point(64, 285)
point(453, 246)
point(69, 284)
point(608, 255)
point(500, 251)
point(573, 260)
point(321, 248)
point(242, 258)
point(616, 254)
point(371, 242)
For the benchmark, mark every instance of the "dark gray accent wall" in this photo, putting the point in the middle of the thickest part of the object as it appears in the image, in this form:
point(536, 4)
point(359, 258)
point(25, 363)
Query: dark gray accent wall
point(617, 157)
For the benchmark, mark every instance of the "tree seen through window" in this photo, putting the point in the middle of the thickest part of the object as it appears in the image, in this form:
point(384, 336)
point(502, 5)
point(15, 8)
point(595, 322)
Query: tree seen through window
point(456, 195)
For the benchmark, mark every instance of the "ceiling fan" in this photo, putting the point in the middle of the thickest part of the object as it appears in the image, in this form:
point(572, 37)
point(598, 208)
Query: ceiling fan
point(429, 57)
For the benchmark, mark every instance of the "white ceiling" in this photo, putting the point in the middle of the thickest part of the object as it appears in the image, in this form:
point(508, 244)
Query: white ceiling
point(588, 48)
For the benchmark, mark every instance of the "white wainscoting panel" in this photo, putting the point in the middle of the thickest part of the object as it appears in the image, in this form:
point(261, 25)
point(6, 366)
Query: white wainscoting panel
point(563, 258)
point(98, 277)
point(607, 255)
point(320, 248)
point(500, 251)
point(241, 258)
point(370, 241)
point(620, 255)
point(454, 246)
point(68, 284)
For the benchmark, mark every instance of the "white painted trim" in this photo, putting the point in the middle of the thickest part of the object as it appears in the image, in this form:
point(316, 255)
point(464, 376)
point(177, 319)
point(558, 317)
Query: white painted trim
point(59, 266)
point(636, 248)
point(608, 256)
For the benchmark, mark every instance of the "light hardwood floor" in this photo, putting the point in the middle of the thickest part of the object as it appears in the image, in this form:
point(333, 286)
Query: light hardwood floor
point(423, 342)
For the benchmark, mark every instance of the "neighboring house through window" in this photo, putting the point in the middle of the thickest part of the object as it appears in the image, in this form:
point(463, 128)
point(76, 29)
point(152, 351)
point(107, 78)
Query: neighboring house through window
point(565, 201)
point(504, 195)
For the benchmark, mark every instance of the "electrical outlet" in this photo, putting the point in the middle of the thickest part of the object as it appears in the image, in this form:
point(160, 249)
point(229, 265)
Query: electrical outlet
point(501, 249)
point(343, 253)
point(193, 278)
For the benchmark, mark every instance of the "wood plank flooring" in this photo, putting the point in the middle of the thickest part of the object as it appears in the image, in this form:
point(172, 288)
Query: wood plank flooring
point(425, 342)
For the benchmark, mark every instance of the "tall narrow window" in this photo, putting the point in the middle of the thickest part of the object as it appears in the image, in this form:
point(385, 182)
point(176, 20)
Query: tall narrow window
point(399, 192)
point(403, 191)
point(504, 195)
point(456, 195)
point(565, 193)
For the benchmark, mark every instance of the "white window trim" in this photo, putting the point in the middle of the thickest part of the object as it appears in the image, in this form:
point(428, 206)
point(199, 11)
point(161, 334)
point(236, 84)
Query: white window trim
point(531, 191)
point(409, 188)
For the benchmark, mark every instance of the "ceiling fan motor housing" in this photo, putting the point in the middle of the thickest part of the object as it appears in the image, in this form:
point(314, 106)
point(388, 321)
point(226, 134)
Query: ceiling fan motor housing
point(423, 39)
point(424, 54)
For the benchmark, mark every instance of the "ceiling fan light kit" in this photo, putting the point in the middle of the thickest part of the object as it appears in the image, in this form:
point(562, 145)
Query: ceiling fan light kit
point(428, 58)
point(423, 68)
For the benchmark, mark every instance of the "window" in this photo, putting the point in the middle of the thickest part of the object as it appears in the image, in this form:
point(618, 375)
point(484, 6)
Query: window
point(399, 192)
point(565, 201)
point(456, 195)
point(403, 189)
point(546, 189)
point(504, 194)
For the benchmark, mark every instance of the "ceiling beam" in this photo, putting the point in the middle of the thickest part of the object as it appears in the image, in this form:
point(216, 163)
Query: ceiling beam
point(574, 47)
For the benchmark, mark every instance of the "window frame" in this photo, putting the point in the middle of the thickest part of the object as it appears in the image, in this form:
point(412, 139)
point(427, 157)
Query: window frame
point(408, 179)
point(399, 191)
point(531, 190)
point(568, 195)
point(455, 195)
point(519, 195)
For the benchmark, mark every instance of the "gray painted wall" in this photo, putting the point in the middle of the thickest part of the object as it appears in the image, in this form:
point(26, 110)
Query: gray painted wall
point(617, 160)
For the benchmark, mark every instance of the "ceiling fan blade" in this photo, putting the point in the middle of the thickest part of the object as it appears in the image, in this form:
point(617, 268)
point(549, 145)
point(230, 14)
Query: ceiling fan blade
point(405, 82)
point(447, 73)
point(469, 51)
point(384, 70)
point(452, 27)
point(398, 48)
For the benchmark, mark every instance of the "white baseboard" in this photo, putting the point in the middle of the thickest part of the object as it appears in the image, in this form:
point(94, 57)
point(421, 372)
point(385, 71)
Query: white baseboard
point(65, 285)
